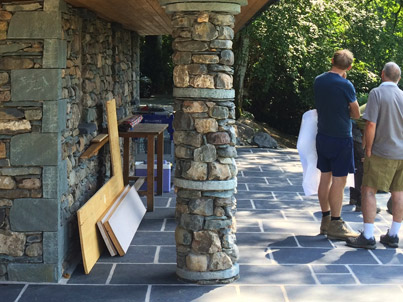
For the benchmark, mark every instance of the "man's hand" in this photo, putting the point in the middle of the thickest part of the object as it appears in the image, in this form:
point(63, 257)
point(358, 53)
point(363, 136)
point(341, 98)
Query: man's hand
point(355, 110)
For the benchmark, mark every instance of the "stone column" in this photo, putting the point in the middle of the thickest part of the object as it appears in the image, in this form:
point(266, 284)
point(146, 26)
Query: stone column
point(204, 137)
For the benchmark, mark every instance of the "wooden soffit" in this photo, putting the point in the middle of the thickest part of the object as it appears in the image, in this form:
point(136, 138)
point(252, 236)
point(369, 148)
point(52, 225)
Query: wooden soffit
point(147, 17)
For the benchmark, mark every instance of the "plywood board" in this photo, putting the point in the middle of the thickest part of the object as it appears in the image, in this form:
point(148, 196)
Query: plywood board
point(92, 244)
point(91, 241)
point(125, 220)
point(100, 223)
point(114, 138)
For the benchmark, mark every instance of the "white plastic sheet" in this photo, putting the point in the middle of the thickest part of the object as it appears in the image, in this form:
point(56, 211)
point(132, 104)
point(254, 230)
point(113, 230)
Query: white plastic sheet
point(306, 146)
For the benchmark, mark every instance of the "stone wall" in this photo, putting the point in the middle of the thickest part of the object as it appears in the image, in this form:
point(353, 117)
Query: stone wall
point(58, 67)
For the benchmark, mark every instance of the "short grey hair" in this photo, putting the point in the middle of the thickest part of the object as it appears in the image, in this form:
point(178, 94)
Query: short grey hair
point(392, 71)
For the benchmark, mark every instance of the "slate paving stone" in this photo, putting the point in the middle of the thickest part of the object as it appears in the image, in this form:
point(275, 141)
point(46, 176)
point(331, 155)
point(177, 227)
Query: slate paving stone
point(135, 254)
point(259, 214)
point(389, 255)
point(250, 168)
point(167, 254)
point(243, 204)
point(160, 213)
point(303, 228)
point(298, 216)
point(145, 274)
point(170, 225)
point(277, 204)
point(313, 241)
point(378, 274)
point(261, 293)
point(242, 187)
point(253, 255)
point(160, 202)
point(344, 293)
point(193, 293)
point(98, 275)
point(87, 293)
point(10, 292)
point(330, 269)
point(321, 256)
point(155, 238)
point(150, 225)
point(254, 195)
point(336, 279)
point(273, 187)
point(275, 274)
point(251, 180)
point(266, 240)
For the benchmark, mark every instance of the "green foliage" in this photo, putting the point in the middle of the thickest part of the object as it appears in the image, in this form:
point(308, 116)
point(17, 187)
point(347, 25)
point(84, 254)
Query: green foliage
point(156, 62)
point(293, 42)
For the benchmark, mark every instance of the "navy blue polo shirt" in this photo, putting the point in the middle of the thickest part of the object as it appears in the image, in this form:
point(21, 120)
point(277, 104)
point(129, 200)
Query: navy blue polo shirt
point(333, 95)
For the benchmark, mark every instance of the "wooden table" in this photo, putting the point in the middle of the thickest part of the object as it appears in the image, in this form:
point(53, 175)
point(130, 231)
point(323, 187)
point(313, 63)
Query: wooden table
point(150, 132)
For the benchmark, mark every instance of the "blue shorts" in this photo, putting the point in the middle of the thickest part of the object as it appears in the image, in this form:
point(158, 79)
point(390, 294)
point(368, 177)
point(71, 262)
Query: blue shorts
point(335, 155)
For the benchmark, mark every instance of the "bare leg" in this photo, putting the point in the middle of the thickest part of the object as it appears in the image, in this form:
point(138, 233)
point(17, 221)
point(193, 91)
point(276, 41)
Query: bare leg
point(336, 195)
point(323, 191)
point(368, 204)
point(397, 206)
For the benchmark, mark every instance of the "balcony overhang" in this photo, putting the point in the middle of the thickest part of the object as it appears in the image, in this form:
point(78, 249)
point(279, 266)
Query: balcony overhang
point(147, 17)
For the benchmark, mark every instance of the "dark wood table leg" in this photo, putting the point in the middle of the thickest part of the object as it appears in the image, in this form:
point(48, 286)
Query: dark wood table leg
point(150, 173)
point(126, 157)
point(160, 156)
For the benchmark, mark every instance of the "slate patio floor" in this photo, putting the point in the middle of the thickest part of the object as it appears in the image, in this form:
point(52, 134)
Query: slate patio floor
point(283, 259)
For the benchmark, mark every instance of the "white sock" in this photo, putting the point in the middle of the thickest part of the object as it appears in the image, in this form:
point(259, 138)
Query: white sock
point(394, 229)
point(368, 230)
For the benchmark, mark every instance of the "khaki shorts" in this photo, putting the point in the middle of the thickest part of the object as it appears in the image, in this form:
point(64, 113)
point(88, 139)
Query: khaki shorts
point(383, 174)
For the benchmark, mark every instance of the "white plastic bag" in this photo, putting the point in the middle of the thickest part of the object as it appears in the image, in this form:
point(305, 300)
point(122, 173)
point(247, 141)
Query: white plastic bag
point(306, 146)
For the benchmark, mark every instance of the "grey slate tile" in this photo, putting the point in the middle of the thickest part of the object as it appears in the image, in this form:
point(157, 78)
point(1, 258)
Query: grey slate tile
point(10, 292)
point(328, 269)
point(259, 214)
point(193, 293)
point(313, 241)
point(135, 254)
point(167, 254)
point(154, 238)
point(243, 204)
point(261, 293)
point(98, 275)
point(389, 255)
point(378, 274)
point(87, 293)
point(160, 213)
point(250, 180)
point(275, 274)
point(145, 274)
point(344, 293)
point(336, 279)
point(150, 225)
point(266, 240)
point(322, 256)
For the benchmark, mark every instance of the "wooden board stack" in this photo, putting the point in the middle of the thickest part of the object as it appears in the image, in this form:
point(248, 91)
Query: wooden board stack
point(116, 210)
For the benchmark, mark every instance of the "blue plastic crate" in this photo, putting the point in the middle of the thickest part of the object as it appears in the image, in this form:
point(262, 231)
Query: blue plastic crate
point(160, 118)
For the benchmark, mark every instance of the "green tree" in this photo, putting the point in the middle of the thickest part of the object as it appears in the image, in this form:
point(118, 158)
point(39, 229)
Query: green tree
point(293, 41)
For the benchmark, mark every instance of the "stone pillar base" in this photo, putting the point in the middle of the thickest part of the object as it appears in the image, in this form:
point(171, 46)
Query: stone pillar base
point(217, 277)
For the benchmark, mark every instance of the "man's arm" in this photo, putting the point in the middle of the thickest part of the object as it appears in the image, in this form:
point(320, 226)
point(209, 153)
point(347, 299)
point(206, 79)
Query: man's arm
point(369, 136)
point(355, 110)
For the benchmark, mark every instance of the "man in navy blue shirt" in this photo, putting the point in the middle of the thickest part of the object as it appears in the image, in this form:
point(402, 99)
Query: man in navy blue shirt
point(336, 102)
